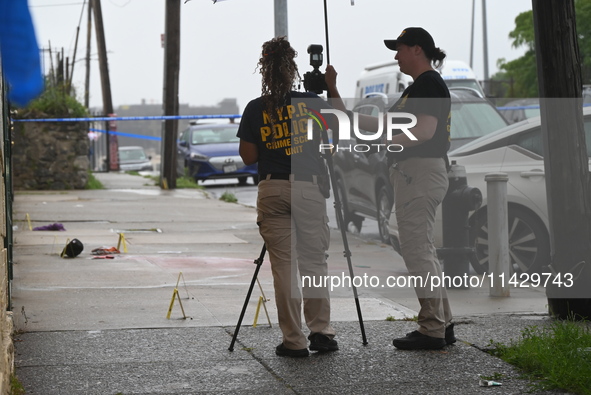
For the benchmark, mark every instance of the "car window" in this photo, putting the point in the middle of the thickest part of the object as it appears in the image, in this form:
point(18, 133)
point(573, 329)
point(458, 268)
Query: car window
point(184, 134)
point(531, 141)
point(131, 154)
point(471, 120)
point(214, 136)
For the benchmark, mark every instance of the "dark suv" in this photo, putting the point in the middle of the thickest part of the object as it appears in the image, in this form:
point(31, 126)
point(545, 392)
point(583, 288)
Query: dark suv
point(362, 175)
point(210, 152)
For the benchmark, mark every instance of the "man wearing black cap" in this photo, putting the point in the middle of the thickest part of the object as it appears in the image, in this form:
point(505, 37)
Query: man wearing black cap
point(419, 176)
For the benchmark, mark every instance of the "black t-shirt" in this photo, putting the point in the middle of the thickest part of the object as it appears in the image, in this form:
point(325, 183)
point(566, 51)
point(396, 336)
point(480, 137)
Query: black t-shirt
point(284, 147)
point(428, 94)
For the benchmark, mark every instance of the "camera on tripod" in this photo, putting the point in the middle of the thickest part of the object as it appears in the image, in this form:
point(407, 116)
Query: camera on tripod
point(314, 80)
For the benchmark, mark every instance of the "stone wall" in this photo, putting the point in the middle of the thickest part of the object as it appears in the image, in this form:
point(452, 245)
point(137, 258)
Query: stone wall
point(50, 155)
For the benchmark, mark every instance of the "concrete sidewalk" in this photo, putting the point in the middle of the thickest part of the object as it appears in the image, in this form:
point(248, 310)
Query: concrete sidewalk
point(100, 326)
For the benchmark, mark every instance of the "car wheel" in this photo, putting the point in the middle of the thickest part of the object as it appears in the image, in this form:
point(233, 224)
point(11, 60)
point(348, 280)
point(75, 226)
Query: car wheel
point(384, 207)
point(255, 179)
point(529, 243)
point(242, 180)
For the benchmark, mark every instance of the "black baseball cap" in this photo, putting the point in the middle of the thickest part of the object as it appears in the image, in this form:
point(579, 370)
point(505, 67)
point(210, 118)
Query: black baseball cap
point(412, 36)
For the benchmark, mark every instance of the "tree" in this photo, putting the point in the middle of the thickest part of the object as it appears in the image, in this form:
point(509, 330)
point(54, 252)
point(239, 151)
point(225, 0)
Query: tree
point(583, 10)
point(568, 180)
point(520, 76)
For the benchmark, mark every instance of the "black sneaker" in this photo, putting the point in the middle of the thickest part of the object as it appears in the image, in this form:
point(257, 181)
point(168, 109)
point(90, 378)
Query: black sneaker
point(322, 343)
point(283, 351)
point(450, 337)
point(417, 341)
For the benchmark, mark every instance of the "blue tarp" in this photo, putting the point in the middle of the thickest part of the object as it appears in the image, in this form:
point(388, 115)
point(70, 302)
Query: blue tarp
point(19, 52)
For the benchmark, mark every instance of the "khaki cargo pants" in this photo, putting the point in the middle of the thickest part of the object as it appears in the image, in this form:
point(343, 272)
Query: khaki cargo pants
point(420, 184)
point(293, 222)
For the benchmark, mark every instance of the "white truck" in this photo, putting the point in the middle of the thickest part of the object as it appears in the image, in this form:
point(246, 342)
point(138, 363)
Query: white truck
point(386, 78)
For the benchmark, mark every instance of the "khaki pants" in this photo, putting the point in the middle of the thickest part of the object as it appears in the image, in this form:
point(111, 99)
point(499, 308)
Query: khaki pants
point(293, 223)
point(420, 184)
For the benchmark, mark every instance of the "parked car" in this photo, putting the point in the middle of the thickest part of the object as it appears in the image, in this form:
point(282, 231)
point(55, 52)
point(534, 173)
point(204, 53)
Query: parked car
point(362, 178)
point(517, 151)
point(520, 109)
point(210, 151)
point(133, 158)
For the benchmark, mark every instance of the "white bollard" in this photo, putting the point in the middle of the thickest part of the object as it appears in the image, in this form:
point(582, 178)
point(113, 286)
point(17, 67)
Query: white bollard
point(498, 234)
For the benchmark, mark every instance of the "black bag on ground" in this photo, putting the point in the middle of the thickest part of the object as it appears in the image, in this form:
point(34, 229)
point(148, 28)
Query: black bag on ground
point(74, 248)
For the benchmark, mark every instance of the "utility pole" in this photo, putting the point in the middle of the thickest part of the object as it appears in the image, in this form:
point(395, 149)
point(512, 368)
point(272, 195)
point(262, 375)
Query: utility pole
point(168, 165)
point(112, 151)
point(485, 49)
point(472, 35)
point(568, 181)
point(102, 54)
point(280, 18)
point(88, 45)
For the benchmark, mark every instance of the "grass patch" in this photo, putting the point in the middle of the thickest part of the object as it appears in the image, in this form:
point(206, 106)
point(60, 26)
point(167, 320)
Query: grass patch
point(496, 376)
point(229, 197)
point(187, 182)
point(16, 388)
point(184, 182)
point(413, 318)
point(557, 357)
point(93, 183)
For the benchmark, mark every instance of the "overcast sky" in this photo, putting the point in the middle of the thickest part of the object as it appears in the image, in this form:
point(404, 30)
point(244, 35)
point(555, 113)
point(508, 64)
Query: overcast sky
point(221, 43)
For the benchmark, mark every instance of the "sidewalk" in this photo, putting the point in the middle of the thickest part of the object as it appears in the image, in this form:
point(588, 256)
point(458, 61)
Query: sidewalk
point(100, 326)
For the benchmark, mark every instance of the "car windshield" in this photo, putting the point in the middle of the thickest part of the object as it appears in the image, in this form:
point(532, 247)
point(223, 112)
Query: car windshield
point(214, 136)
point(471, 84)
point(471, 120)
point(131, 154)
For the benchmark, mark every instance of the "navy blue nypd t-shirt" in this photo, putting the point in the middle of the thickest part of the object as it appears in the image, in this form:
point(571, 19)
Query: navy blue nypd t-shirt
point(428, 94)
point(284, 147)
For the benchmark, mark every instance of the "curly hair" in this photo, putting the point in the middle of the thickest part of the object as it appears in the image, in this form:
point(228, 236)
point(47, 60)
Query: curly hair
point(279, 72)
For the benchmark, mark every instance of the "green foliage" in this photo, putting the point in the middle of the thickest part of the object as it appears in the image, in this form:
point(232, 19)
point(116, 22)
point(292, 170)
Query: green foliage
point(229, 197)
point(55, 101)
point(409, 319)
point(559, 356)
point(93, 183)
point(16, 388)
point(187, 182)
point(496, 376)
point(519, 77)
point(524, 34)
point(184, 182)
point(583, 18)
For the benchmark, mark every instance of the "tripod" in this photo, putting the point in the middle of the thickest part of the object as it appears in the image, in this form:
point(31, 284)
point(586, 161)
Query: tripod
point(258, 262)
point(341, 222)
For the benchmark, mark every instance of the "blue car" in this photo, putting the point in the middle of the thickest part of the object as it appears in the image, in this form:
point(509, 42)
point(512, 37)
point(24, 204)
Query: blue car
point(210, 151)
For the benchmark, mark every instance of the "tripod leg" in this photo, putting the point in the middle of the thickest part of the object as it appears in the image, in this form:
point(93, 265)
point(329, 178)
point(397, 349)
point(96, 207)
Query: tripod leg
point(258, 262)
point(340, 219)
